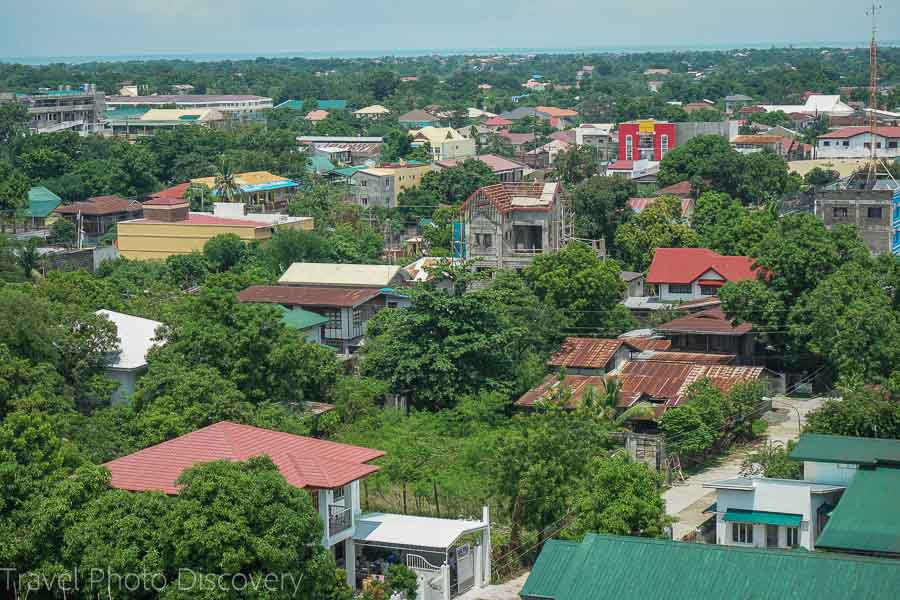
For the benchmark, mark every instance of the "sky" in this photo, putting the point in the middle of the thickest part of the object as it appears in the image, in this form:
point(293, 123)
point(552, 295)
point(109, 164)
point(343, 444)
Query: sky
point(128, 27)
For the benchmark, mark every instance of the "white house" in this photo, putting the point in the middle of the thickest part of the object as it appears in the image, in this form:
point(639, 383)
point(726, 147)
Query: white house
point(771, 513)
point(446, 143)
point(136, 338)
point(449, 556)
point(856, 142)
point(682, 274)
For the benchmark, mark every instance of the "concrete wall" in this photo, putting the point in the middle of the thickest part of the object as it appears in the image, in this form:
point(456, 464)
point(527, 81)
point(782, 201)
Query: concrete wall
point(127, 381)
point(875, 231)
point(855, 147)
point(685, 132)
point(831, 473)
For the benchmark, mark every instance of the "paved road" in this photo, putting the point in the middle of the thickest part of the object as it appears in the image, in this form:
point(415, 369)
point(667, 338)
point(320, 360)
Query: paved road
point(688, 500)
point(502, 591)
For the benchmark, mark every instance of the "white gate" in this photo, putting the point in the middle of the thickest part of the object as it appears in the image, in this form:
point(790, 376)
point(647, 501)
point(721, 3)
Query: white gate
point(430, 578)
point(465, 568)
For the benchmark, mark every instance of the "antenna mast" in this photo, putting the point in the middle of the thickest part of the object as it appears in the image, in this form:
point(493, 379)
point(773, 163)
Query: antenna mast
point(873, 97)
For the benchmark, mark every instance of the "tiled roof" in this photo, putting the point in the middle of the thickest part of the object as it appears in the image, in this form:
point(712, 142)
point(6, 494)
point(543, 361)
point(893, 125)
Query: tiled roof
point(101, 205)
point(567, 136)
point(517, 139)
point(169, 196)
point(498, 122)
point(417, 115)
point(685, 265)
point(304, 462)
point(712, 321)
point(503, 195)
point(308, 296)
point(621, 165)
point(849, 132)
point(553, 111)
point(585, 353)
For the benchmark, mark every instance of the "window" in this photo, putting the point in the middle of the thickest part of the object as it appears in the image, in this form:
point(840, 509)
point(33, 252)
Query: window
point(708, 290)
point(793, 537)
point(629, 148)
point(357, 319)
point(484, 240)
point(676, 288)
point(846, 144)
point(874, 212)
point(339, 493)
point(826, 143)
point(892, 145)
point(840, 212)
point(664, 144)
point(742, 533)
point(333, 326)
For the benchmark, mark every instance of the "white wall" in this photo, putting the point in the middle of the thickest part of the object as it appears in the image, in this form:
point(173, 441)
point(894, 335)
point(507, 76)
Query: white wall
point(666, 294)
point(855, 147)
point(127, 382)
point(833, 473)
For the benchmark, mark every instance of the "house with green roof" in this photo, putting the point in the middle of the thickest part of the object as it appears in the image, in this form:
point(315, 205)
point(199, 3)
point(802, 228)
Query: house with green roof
point(310, 324)
point(606, 567)
point(846, 502)
point(41, 204)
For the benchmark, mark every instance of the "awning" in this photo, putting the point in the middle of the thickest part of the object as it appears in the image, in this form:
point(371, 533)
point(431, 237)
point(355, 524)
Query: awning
point(394, 530)
point(763, 517)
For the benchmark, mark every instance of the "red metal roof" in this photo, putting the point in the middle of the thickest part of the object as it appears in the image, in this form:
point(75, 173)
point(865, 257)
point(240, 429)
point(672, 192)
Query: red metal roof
point(585, 353)
point(205, 219)
point(663, 383)
point(686, 265)
point(849, 132)
point(712, 321)
point(169, 196)
point(305, 462)
point(294, 295)
point(639, 204)
point(101, 205)
point(498, 122)
point(698, 358)
point(682, 188)
point(621, 165)
point(648, 343)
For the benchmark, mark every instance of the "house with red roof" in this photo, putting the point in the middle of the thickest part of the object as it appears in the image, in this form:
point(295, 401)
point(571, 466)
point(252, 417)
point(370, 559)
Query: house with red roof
point(712, 332)
point(99, 214)
point(682, 274)
point(856, 142)
point(497, 123)
point(331, 473)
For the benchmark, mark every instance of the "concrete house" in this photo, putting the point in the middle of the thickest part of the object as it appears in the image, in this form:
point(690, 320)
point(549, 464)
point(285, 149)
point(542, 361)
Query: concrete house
point(506, 170)
point(449, 556)
point(136, 337)
point(446, 143)
point(846, 501)
point(856, 142)
point(870, 211)
point(261, 190)
point(381, 186)
point(507, 224)
point(681, 274)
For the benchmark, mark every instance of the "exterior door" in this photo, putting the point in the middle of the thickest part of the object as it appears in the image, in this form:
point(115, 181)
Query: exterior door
point(771, 536)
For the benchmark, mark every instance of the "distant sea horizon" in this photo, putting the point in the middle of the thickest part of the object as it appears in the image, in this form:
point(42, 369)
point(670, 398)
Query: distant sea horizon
point(415, 52)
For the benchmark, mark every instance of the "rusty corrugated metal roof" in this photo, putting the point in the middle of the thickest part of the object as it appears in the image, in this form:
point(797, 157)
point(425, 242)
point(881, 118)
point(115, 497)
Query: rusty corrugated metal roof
point(585, 353)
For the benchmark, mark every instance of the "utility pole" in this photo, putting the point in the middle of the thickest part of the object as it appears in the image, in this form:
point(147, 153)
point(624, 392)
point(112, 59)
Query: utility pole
point(872, 175)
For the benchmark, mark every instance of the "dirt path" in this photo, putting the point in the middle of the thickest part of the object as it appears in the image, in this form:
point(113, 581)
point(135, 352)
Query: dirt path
point(502, 591)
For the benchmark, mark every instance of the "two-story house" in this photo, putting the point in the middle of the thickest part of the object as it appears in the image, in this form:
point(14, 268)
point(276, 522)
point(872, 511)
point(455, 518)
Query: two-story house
point(682, 274)
point(846, 501)
point(381, 186)
point(449, 556)
point(869, 211)
point(507, 224)
point(348, 296)
point(446, 143)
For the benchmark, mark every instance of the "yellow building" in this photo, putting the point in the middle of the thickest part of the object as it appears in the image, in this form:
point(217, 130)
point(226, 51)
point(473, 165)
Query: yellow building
point(168, 227)
point(381, 186)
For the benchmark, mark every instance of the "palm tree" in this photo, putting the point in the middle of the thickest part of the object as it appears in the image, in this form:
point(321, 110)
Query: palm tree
point(197, 194)
point(604, 403)
point(29, 258)
point(226, 187)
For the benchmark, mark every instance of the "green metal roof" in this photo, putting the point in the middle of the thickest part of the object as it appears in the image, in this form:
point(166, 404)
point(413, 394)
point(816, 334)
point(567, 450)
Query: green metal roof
point(41, 202)
point(764, 517)
point(125, 113)
point(348, 171)
point(301, 319)
point(320, 164)
point(323, 104)
point(604, 567)
point(868, 516)
point(845, 449)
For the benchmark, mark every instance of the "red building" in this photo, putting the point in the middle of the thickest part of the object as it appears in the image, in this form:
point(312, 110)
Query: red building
point(645, 140)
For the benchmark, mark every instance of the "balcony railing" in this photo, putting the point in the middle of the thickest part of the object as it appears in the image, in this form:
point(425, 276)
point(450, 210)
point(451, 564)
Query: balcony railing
point(339, 519)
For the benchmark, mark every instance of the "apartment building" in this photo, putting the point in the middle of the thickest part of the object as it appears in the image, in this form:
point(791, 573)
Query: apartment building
point(80, 109)
point(381, 186)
